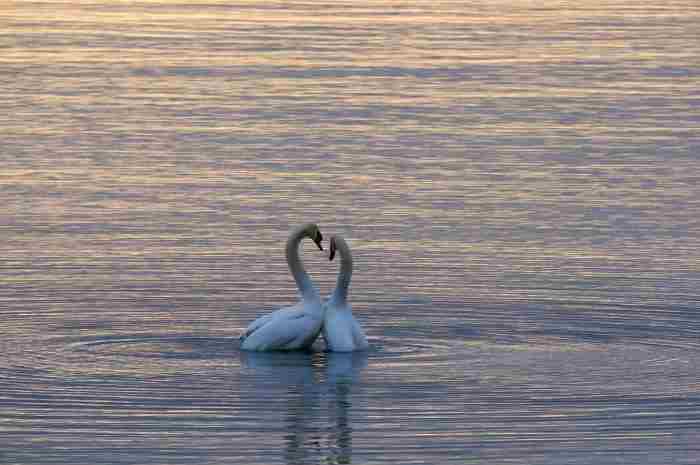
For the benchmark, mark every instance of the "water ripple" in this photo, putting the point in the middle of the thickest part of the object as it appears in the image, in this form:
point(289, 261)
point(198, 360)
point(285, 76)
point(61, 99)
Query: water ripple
point(518, 181)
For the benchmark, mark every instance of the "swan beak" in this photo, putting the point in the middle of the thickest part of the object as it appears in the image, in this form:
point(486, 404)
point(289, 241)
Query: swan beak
point(318, 239)
point(332, 254)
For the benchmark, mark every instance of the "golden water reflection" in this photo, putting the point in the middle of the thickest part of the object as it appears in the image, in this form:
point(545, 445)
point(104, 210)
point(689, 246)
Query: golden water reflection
point(518, 181)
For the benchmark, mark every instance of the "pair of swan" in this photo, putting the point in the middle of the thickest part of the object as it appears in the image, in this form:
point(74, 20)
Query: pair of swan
point(298, 326)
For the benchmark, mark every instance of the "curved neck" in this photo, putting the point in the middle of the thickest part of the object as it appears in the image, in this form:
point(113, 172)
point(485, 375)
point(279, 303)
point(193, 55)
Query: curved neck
point(343, 283)
point(296, 267)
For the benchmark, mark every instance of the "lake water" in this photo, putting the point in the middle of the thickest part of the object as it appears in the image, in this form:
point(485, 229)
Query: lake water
point(519, 181)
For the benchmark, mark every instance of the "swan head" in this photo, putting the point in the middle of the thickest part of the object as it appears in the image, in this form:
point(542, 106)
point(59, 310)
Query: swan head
point(314, 233)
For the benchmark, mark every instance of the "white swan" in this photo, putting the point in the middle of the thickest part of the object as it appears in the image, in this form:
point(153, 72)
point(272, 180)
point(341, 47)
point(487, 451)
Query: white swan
point(340, 329)
point(298, 326)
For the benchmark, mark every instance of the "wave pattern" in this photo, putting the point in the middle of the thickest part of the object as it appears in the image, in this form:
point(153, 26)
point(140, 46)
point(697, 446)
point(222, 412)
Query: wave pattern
point(518, 181)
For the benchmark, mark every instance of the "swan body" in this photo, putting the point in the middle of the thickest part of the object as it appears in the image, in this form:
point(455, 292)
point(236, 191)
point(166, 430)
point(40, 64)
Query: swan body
point(297, 326)
point(340, 329)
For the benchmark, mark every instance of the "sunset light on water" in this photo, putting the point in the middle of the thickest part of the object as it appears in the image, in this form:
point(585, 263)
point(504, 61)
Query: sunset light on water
point(518, 181)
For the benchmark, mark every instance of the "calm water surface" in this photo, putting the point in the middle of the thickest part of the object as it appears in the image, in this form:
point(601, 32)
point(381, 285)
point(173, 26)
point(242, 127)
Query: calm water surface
point(519, 181)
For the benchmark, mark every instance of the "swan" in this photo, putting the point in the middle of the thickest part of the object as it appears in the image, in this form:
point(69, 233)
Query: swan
point(298, 326)
point(340, 329)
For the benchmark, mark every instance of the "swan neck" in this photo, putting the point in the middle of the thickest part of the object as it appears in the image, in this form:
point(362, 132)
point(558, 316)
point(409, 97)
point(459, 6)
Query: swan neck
point(296, 267)
point(343, 283)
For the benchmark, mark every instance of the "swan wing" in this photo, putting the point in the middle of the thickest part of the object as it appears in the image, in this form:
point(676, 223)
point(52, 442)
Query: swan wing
point(285, 329)
point(358, 336)
point(337, 331)
point(265, 319)
point(341, 330)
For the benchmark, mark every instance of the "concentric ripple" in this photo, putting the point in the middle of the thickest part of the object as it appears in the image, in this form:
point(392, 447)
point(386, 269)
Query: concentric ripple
point(502, 386)
point(518, 181)
point(151, 346)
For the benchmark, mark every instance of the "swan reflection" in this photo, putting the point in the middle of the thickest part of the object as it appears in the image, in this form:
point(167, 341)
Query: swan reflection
point(316, 390)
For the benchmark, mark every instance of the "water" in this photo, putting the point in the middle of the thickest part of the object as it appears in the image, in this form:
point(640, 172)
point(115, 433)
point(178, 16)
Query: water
point(518, 181)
